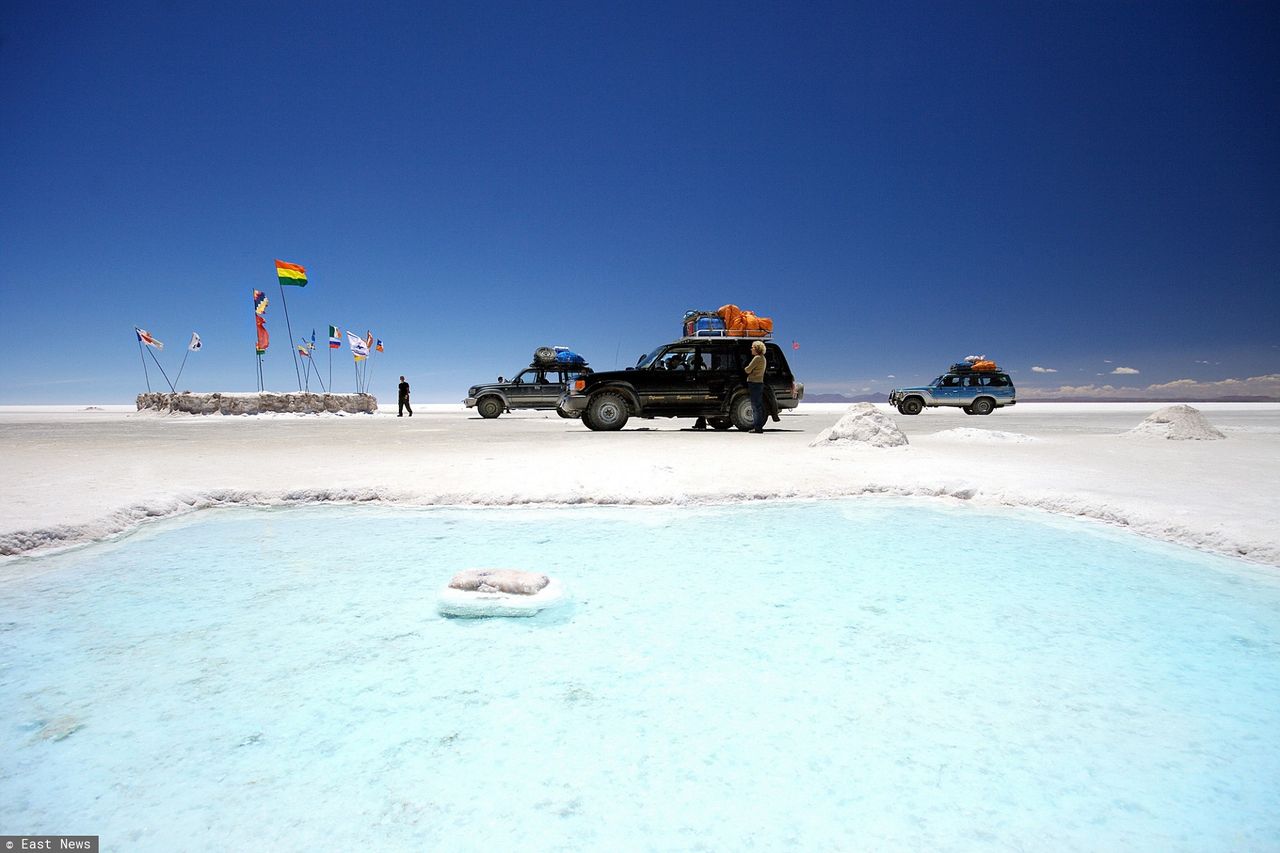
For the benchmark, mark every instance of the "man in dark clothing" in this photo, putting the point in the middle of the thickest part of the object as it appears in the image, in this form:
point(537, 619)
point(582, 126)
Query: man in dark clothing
point(404, 399)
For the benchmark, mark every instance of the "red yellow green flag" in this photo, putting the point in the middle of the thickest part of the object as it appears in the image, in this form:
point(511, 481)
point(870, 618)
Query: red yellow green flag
point(294, 274)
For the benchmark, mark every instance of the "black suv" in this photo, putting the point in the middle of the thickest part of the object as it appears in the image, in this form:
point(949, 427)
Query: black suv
point(535, 387)
point(691, 378)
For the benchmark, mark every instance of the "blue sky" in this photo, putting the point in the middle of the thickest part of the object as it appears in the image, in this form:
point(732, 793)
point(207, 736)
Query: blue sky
point(1073, 186)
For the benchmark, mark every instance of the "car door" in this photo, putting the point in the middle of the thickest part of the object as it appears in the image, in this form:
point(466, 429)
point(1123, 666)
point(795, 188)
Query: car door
point(523, 390)
point(724, 370)
point(671, 378)
point(947, 390)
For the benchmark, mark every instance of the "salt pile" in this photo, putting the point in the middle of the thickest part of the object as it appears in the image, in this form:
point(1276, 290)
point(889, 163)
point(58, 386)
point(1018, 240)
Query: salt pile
point(1178, 423)
point(863, 423)
point(983, 436)
point(474, 593)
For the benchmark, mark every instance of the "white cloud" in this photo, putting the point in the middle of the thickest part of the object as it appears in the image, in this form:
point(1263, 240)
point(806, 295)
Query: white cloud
point(891, 376)
point(1038, 369)
point(1126, 371)
point(1106, 361)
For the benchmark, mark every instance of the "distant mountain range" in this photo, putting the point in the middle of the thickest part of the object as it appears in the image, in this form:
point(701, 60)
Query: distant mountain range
point(883, 397)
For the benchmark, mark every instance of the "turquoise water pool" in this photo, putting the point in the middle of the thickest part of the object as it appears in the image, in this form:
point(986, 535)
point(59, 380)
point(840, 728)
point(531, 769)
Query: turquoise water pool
point(839, 675)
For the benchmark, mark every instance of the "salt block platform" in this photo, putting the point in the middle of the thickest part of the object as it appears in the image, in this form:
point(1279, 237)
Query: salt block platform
point(255, 403)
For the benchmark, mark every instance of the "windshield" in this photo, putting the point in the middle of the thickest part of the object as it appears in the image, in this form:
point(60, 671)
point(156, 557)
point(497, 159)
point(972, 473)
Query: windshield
point(647, 360)
point(937, 381)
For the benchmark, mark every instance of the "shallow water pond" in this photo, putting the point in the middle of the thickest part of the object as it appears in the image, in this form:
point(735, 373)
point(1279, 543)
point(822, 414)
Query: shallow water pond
point(850, 674)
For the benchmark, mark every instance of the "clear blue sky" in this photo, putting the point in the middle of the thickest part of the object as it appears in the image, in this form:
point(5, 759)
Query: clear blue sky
point(1077, 186)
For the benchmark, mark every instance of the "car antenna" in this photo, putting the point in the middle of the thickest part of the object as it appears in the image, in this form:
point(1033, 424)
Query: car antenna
point(617, 350)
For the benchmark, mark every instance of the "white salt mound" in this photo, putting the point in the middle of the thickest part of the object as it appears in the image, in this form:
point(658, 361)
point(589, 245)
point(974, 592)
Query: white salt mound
point(1178, 423)
point(862, 424)
point(499, 580)
point(478, 593)
point(983, 436)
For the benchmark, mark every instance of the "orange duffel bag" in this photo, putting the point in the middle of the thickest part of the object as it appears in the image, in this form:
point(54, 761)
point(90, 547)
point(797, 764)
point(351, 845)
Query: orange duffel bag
point(985, 365)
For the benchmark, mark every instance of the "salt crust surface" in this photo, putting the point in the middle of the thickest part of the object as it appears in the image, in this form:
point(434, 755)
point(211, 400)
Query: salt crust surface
point(1177, 423)
point(862, 424)
point(983, 436)
point(486, 602)
point(73, 476)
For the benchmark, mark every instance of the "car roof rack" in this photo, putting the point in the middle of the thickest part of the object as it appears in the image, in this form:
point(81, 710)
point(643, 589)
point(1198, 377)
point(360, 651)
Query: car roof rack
point(726, 338)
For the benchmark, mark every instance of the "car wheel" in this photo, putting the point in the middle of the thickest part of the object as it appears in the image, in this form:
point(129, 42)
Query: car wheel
point(608, 411)
point(982, 406)
point(720, 423)
point(489, 407)
point(911, 406)
point(967, 410)
point(544, 355)
point(742, 414)
point(586, 419)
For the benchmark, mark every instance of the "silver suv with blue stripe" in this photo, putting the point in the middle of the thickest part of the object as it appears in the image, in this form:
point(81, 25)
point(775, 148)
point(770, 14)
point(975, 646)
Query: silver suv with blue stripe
point(976, 392)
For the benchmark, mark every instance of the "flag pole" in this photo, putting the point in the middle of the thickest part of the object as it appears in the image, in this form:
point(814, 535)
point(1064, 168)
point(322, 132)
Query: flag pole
point(182, 366)
point(357, 366)
point(144, 364)
point(289, 328)
point(330, 367)
point(369, 378)
point(162, 373)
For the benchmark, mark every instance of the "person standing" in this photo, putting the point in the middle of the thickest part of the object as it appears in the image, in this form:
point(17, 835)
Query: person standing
point(755, 385)
point(404, 398)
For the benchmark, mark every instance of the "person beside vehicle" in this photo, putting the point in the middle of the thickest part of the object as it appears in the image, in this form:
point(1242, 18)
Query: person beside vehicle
point(755, 385)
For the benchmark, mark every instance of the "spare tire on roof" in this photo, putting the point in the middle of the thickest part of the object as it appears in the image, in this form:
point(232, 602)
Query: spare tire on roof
point(544, 355)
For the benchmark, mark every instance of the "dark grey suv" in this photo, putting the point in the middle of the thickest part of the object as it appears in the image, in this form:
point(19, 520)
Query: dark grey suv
point(533, 388)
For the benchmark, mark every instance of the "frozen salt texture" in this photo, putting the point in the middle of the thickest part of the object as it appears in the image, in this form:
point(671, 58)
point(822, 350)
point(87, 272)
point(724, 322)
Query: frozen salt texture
point(862, 424)
point(232, 686)
point(1178, 423)
point(72, 477)
point(511, 581)
point(971, 435)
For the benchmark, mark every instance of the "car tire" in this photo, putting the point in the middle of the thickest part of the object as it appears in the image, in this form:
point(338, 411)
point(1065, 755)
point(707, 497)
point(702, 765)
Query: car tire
point(742, 413)
point(911, 406)
point(585, 417)
point(967, 410)
point(721, 424)
point(544, 356)
point(489, 407)
point(608, 412)
point(982, 406)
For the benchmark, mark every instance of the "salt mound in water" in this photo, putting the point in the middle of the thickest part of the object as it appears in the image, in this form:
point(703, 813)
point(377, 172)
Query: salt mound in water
point(862, 424)
point(1178, 423)
point(478, 593)
point(984, 436)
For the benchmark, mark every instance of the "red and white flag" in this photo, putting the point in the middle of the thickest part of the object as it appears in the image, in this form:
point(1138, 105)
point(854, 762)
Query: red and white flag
point(145, 337)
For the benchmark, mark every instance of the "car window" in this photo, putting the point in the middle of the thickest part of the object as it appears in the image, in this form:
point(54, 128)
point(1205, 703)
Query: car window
point(646, 360)
point(529, 377)
point(1000, 381)
point(722, 359)
point(950, 381)
point(676, 358)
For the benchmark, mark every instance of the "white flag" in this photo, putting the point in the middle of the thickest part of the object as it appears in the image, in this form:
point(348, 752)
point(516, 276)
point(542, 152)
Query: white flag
point(358, 346)
point(195, 342)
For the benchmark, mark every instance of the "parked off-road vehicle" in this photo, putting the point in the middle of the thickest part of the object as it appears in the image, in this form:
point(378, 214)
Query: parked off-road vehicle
point(696, 377)
point(535, 387)
point(976, 392)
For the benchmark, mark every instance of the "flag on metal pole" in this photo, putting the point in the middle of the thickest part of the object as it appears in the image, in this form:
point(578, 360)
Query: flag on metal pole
point(196, 343)
point(146, 338)
point(291, 274)
point(334, 341)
